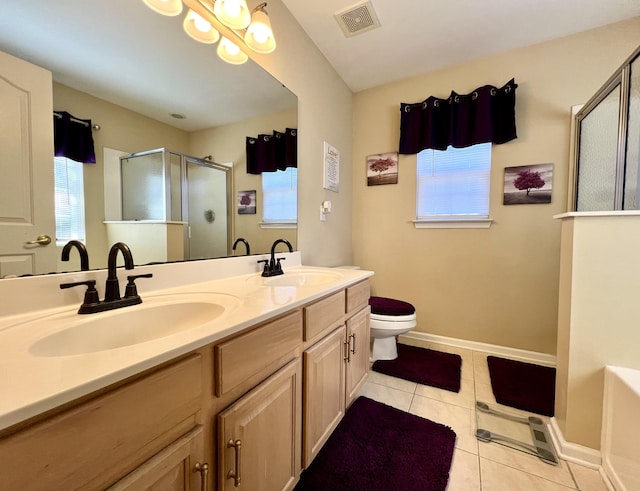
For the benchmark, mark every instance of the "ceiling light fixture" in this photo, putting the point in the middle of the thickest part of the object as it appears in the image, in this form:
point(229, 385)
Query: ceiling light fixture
point(165, 7)
point(230, 52)
point(240, 30)
point(199, 29)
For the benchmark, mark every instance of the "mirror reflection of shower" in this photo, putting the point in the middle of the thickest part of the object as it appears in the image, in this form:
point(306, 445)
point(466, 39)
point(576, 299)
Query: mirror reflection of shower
point(176, 205)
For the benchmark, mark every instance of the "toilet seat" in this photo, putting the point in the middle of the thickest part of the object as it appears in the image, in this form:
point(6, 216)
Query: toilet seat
point(393, 318)
point(389, 318)
point(390, 307)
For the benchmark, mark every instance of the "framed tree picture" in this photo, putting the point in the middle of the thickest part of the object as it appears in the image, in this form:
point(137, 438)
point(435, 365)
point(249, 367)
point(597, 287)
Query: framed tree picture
point(247, 202)
point(382, 168)
point(528, 184)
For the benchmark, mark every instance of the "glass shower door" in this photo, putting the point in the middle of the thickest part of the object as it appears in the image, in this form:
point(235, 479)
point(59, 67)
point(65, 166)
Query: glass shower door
point(598, 151)
point(632, 163)
point(208, 187)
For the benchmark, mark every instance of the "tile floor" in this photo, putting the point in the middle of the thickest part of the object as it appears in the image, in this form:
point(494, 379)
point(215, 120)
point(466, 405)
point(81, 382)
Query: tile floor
point(478, 465)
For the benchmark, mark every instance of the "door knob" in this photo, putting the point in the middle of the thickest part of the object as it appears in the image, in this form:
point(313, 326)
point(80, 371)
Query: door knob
point(41, 240)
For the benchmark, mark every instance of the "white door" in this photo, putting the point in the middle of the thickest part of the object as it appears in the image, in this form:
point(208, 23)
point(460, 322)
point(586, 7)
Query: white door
point(26, 168)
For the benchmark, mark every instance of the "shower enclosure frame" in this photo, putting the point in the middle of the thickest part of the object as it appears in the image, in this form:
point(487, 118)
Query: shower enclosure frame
point(620, 80)
point(168, 180)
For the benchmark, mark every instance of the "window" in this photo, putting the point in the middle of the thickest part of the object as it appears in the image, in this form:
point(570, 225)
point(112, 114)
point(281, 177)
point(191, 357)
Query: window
point(453, 186)
point(69, 200)
point(280, 198)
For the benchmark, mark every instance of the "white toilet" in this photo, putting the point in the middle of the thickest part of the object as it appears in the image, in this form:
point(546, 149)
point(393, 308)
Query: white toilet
point(389, 318)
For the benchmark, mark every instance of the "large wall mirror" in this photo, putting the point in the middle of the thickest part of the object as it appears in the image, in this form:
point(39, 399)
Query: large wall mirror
point(148, 86)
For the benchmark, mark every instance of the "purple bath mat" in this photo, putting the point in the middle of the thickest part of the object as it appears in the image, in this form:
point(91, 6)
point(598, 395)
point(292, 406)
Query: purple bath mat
point(523, 385)
point(380, 448)
point(424, 366)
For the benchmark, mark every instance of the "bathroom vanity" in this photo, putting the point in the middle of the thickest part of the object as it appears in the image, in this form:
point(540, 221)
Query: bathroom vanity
point(244, 401)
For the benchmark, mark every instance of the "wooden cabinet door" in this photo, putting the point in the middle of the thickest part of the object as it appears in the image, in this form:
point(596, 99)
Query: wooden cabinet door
point(324, 366)
point(259, 436)
point(358, 357)
point(179, 467)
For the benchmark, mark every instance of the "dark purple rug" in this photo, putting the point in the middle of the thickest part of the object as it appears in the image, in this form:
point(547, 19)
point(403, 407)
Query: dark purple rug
point(523, 385)
point(424, 366)
point(378, 448)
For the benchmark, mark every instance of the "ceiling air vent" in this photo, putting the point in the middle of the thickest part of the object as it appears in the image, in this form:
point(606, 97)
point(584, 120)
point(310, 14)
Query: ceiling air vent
point(357, 19)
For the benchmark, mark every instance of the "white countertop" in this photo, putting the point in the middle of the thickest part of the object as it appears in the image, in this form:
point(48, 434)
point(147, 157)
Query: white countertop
point(31, 384)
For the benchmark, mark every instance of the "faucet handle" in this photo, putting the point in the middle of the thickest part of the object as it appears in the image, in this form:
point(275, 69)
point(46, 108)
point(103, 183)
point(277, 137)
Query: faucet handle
point(278, 265)
point(266, 265)
point(131, 290)
point(91, 297)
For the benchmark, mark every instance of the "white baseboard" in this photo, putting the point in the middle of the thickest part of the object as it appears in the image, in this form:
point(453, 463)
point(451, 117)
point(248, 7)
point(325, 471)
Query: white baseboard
point(573, 452)
point(494, 349)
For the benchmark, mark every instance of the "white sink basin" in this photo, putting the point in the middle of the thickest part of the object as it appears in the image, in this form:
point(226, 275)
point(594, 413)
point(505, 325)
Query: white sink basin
point(297, 279)
point(155, 318)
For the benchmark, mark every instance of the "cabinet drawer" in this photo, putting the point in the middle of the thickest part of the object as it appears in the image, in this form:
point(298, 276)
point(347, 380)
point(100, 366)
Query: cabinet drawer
point(322, 315)
point(97, 442)
point(243, 356)
point(358, 295)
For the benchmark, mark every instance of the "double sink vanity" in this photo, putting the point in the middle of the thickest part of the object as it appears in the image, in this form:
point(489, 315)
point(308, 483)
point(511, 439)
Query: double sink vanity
point(219, 379)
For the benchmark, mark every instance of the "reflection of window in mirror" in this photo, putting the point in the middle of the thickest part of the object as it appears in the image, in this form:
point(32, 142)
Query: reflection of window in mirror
point(280, 196)
point(69, 200)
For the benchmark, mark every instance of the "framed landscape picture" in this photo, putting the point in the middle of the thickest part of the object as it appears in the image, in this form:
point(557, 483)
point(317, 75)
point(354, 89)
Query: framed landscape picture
point(247, 202)
point(528, 184)
point(382, 168)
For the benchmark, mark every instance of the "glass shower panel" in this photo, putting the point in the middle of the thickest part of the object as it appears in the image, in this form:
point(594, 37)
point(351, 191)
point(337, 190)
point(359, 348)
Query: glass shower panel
point(207, 211)
point(632, 161)
point(143, 187)
point(597, 155)
point(175, 166)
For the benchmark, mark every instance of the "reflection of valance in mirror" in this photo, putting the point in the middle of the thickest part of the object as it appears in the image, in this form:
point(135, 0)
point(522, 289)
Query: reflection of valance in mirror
point(72, 138)
point(485, 115)
point(269, 153)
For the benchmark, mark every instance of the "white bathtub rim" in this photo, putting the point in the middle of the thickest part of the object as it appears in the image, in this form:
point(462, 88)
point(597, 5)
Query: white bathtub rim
point(630, 379)
point(629, 376)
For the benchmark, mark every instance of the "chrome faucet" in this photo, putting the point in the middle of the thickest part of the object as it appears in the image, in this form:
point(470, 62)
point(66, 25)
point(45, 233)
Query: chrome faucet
point(82, 250)
point(246, 244)
point(112, 300)
point(273, 267)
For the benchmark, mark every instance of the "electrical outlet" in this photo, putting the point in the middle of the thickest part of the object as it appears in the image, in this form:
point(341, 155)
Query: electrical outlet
point(323, 217)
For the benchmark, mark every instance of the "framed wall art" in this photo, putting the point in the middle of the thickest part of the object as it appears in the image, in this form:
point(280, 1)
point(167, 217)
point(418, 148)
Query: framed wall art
point(528, 184)
point(247, 202)
point(382, 168)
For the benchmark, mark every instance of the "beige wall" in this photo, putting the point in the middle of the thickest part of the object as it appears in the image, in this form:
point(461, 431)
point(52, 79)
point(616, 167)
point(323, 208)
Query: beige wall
point(500, 285)
point(121, 129)
point(227, 144)
point(324, 114)
point(599, 320)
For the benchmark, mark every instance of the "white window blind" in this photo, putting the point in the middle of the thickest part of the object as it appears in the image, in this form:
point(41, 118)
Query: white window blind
point(280, 196)
point(69, 200)
point(454, 183)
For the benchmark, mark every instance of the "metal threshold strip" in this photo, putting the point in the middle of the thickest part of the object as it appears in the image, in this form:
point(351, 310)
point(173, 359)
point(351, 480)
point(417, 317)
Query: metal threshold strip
point(541, 446)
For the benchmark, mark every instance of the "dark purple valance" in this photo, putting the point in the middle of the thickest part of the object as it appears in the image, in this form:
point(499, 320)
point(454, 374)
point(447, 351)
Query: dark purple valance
point(485, 115)
point(269, 153)
point(72, 138)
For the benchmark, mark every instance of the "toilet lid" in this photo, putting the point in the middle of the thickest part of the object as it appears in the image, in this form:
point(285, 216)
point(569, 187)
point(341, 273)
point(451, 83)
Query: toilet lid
point(390, 306)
